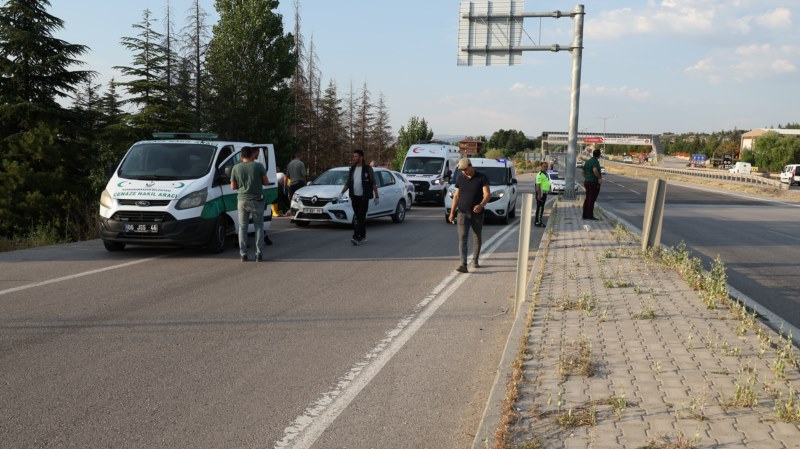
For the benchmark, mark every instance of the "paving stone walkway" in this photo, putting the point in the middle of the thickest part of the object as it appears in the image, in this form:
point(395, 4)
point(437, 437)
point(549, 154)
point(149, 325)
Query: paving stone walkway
point(622, 353)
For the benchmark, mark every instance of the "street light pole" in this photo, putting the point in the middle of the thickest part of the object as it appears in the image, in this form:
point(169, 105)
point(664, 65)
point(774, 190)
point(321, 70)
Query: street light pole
point(604, 119)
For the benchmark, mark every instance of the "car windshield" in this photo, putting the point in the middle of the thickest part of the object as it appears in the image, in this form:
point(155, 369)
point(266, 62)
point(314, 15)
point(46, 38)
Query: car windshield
point(169, 161)
point(332, 178)
point(498, 176)
point(554, 176)
point(423, 165)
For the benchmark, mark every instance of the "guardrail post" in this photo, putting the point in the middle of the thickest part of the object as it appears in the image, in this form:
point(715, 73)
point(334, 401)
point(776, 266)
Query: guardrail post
point(522, 251)
point(653, 213)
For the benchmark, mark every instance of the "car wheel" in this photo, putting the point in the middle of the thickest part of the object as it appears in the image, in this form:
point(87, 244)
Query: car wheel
point(399, 212)
point(216, 243)
point(301, 223)
point(113, 246)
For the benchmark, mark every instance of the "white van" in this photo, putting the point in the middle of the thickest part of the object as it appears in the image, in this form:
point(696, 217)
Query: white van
point(502, 183)
point(175, 190)
point(742, 168)
point(429, 167)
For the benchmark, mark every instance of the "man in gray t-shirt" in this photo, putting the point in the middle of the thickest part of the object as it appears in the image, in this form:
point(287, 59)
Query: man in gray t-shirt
point(296, 171)
point(249, 177)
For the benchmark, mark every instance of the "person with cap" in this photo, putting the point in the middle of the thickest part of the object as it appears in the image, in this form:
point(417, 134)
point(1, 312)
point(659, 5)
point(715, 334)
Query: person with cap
point(592, 178)
point(470, 199)
point(542, 189)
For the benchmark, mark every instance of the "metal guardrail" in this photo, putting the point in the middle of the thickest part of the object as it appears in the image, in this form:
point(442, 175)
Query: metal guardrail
point(709, 174)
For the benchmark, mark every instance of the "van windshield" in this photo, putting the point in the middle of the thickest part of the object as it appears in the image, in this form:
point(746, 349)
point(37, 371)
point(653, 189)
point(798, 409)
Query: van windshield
point(169, 161)
point(423, 165)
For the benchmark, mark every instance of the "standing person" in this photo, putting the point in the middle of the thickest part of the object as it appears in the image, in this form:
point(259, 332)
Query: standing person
point(362, 186)
point(471, 196)
point(592, 178)
point(249, 177)
point(296, 171)
point(542, 189)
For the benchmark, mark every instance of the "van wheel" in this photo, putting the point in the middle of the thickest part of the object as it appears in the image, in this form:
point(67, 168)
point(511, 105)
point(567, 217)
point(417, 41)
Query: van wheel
point(113, 246)
point(399, 212)
point(216, 243)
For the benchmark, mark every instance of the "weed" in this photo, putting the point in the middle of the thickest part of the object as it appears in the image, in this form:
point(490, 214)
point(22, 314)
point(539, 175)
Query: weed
point(788, 411)
point(571, 276)
point(744, 394)
point(577, 359)
point(697, 405)
point(577, 417)
point(609, 254)
point(608, 284)
point(534, 444)
point(638, 289)
point(646, 313)
point(678, 442)
point(603, 315)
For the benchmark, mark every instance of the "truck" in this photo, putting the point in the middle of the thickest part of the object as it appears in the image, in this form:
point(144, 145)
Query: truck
point(429, 166)
point(175, 190)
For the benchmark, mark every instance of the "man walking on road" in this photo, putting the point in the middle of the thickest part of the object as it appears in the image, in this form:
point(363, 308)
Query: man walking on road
point(471, 196)
point(592, 178)
point(249, 177)
point(542, 189)
point(362, 186)
point(296, 171)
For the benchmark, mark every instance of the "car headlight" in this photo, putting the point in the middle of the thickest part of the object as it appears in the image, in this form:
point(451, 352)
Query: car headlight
point(295, 197)
point(450, 193)
point(498, 195)
point(194, 199)
point(437, 182)
point(106, 200)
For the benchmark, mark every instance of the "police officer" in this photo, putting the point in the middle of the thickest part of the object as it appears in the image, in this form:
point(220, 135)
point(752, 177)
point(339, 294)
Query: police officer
point(542, 189)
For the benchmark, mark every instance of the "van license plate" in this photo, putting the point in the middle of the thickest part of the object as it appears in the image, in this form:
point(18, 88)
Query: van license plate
point(313, 210)
point(142, 228)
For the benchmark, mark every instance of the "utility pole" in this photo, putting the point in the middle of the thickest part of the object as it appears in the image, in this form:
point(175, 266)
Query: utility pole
point(490, 34)
point(604, 119)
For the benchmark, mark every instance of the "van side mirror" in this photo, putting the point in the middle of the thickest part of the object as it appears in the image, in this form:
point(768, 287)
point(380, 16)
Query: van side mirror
point(513, 180)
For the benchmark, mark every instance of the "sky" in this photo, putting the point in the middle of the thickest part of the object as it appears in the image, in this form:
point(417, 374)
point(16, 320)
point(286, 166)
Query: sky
point(647, 66)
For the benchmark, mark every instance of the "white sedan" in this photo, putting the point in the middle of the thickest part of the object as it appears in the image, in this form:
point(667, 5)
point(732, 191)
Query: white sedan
point(320, 200)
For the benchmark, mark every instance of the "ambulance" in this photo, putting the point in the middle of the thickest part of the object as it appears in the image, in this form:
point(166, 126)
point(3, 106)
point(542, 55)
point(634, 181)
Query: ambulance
point(429, 167)
point(175, 190)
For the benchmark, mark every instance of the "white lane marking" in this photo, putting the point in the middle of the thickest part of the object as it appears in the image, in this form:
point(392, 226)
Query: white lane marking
point(304, 431)
point(74, 276)
point(786, 236)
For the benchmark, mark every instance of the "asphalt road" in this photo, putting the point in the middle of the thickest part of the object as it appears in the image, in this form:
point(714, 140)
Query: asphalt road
point(756, 238)
point(325, 345)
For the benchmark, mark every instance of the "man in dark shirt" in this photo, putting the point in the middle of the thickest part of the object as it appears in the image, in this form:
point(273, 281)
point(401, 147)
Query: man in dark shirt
point(592, 178)
point(471, 196)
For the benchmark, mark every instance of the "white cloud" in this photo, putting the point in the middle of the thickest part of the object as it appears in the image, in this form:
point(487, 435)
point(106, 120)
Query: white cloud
point(623, 91)
point(749, 62)
point(688, 18)
point(777, 18)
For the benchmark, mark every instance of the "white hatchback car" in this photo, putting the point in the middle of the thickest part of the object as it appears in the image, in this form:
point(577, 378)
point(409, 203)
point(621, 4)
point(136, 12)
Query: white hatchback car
point(502, 183)
point(320, 202)
point(791, 174)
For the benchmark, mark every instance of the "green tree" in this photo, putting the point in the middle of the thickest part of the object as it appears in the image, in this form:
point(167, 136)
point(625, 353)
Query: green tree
point(148, 88)
point(42, 168)
point(416, 131)
point(249, 62)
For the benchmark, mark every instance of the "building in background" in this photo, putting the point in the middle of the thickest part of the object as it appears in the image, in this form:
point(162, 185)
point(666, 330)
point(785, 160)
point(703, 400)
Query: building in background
point(470, 147)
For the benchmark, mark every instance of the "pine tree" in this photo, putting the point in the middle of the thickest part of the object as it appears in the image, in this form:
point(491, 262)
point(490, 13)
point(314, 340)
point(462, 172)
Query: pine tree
point(250, 61)
point(381, 132)
point(195, 43)
point(149, 88)
point(42, 170)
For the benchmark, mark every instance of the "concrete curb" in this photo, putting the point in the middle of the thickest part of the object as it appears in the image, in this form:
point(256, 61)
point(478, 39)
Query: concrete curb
point(490, 421)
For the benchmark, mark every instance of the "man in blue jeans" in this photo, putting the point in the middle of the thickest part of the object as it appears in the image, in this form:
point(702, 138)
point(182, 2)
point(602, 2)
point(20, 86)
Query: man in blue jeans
point(249, 177)
point(471, 196)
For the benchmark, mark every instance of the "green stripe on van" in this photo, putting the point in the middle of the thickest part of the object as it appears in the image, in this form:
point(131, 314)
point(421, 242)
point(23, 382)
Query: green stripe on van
point(217, 206)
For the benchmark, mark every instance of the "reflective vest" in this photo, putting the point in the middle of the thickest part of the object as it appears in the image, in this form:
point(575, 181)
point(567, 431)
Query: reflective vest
point(543, 181)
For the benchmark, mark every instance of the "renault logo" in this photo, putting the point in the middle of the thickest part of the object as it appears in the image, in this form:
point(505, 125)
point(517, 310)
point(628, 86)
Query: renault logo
point(314, 199)
point(143, 203)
